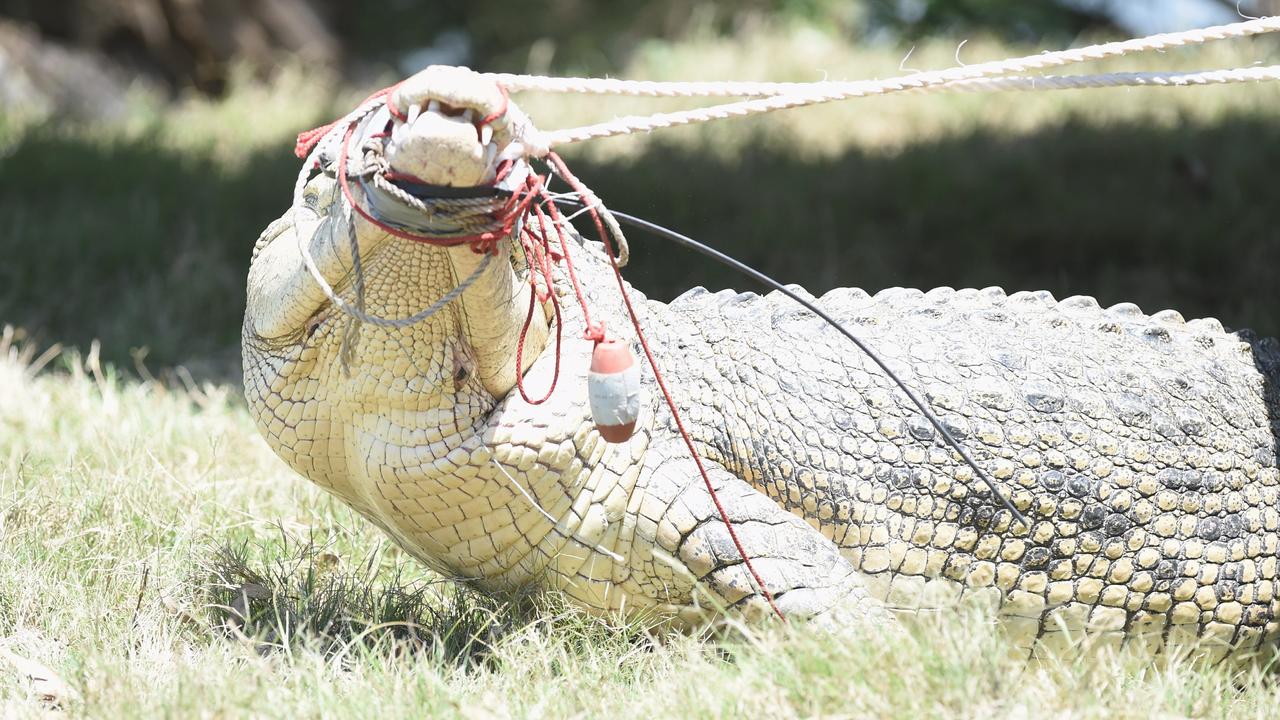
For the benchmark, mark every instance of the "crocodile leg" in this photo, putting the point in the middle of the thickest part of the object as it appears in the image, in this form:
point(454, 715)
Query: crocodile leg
point(804, 571)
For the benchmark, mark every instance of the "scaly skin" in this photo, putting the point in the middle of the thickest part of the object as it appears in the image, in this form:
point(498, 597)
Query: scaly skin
point(1143, 449)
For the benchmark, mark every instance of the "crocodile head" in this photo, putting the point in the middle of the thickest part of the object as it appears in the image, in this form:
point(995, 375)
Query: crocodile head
point(453, 133)
point(303, 361)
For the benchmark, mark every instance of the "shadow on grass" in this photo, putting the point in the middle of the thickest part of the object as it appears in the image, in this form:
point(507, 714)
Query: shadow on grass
point(295, 595)
point(142, 246)
point(291, 593)
point(132, 243)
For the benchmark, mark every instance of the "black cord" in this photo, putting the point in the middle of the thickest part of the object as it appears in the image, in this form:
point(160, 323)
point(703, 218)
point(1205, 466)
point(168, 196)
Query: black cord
point(760, 277)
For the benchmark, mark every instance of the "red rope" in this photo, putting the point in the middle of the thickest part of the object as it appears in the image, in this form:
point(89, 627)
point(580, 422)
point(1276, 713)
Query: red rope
point(539, 255)
point(506, 102)
point(585, 194)
point(307, 140)
point(524, 332)
point(481, 242)
point(539, 248)
point(594, 330)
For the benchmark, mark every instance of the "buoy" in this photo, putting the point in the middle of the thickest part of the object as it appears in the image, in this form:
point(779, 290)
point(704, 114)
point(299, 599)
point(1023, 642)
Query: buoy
point(613, 390)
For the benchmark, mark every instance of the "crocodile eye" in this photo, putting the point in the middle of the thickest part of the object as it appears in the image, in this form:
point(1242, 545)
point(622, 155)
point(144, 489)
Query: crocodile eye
point(313, 324)
point(459, 375)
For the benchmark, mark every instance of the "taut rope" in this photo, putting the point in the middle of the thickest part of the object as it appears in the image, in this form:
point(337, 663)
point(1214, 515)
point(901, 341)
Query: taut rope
point(993, 75)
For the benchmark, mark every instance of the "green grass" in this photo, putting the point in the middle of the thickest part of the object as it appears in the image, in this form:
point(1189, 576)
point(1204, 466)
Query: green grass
point(131, 516)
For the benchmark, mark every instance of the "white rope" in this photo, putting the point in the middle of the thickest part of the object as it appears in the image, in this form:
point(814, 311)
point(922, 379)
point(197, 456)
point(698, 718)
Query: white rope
point(1126, 79)
point(778, 96)
point(654, 88)
point(649, 88)
point(1004, 82)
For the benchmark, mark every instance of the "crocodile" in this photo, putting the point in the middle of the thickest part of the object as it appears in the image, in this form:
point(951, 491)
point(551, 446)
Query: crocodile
point(1142, 449)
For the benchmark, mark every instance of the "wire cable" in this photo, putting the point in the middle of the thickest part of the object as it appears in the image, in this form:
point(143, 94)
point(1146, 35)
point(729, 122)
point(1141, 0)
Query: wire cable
point(758, 276)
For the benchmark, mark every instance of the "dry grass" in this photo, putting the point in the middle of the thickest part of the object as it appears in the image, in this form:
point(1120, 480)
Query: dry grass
point(133, 516)
point(119, 501)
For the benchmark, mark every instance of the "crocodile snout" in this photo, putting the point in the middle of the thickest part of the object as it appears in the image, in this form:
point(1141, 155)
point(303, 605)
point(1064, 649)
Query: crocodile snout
point(453, 127)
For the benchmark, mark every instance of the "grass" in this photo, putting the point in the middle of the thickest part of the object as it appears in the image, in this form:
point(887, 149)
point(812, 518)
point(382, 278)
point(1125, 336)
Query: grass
point(160, 561)
point(138, 234)
point(132, 516)
point(292, 593)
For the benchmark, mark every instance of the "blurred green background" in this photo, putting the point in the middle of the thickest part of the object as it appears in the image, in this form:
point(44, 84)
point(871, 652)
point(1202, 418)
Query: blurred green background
point(144, 144)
